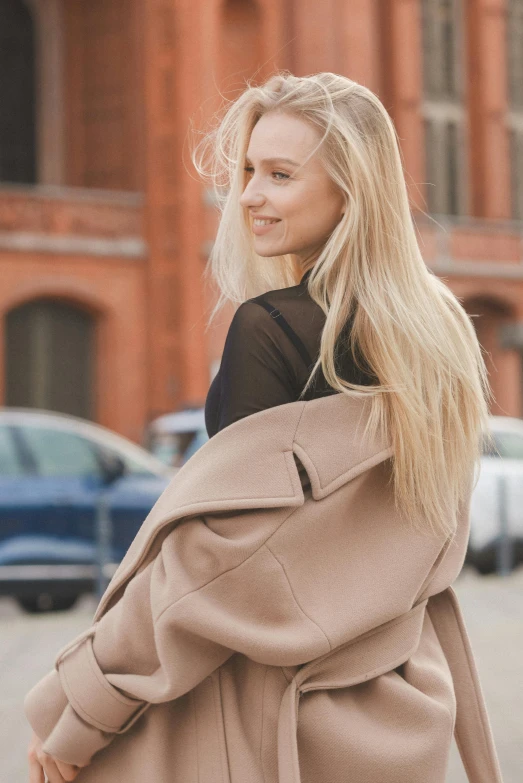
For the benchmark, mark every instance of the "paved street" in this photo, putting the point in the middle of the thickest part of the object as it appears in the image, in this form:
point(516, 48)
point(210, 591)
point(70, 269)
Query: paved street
point(493, 609)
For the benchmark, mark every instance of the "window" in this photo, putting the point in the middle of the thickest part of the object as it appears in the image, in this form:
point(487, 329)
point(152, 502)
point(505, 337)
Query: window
point(10, 464)
point(59, 453)
point(489, 447)
point(17, 93)
point(135, 463)
point(443, 106)
point(133, 466)
point(50, 357)
point(515, 92)
point(509, 445)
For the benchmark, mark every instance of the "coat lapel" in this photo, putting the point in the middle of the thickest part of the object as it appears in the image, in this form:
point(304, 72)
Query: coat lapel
point(331, 444)
point(250, 464)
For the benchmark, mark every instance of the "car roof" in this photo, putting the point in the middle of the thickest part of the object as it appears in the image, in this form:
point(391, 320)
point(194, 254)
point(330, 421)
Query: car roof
point(193, 419)
point(89, 429)
point(506, 423)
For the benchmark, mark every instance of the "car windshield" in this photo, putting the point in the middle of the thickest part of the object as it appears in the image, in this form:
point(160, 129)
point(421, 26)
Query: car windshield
point(509, 445)
point(489, 446)
point(57, 451)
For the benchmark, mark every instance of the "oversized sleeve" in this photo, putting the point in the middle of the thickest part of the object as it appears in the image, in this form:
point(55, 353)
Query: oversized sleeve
point(214, 588)
point(254, 373)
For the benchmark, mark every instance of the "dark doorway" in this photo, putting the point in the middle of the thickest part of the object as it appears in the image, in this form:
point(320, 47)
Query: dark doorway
point(50, 358)
point(17, 93)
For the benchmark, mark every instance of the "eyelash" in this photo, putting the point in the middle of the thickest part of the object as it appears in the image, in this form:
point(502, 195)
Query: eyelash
point(285, 176)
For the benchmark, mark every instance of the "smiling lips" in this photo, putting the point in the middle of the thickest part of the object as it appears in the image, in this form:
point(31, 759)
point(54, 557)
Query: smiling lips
point(262, 225)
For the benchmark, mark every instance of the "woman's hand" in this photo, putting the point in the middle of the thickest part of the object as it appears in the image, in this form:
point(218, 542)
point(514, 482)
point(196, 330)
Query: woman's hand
point(42, 766)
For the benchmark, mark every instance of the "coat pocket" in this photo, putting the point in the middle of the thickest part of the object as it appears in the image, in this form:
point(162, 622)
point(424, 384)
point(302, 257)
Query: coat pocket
point(213, 766)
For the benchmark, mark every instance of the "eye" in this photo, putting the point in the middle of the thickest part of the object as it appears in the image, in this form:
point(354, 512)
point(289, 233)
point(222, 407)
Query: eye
point(280, 175)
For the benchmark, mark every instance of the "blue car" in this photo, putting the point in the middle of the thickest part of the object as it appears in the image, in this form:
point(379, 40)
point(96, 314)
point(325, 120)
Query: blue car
point(53, 469)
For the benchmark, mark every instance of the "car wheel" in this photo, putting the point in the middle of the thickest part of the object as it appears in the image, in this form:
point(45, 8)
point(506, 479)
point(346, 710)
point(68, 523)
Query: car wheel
point(485, 567)
point(45, 602)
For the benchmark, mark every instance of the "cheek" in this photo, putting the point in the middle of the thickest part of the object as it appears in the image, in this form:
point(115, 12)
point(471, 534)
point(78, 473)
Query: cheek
point(314, 214)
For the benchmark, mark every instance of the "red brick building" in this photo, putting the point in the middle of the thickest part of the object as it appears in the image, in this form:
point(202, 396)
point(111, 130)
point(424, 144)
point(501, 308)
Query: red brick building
point(105, 228)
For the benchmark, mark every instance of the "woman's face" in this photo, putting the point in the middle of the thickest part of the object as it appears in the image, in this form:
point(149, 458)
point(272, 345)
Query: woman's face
point(305, 204)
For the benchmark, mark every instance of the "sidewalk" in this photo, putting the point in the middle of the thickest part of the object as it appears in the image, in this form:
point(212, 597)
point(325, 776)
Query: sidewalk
point(493, 611)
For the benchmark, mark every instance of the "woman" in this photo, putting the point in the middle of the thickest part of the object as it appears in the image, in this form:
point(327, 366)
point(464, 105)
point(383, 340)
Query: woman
point(285, 612)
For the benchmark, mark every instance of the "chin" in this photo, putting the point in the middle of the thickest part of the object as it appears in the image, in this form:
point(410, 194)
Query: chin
point(264, 253)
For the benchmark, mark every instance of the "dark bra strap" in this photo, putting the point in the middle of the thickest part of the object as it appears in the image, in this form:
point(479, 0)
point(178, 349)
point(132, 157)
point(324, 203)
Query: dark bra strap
point(291, 334)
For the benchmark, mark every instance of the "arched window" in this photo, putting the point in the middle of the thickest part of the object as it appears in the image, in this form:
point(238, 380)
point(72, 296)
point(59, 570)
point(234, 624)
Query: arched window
point(443, 106)
point(515, 91)
point(49, 349)
point(17, 93)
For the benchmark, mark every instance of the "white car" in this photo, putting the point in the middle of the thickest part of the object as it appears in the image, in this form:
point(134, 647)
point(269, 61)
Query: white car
point(501, 472)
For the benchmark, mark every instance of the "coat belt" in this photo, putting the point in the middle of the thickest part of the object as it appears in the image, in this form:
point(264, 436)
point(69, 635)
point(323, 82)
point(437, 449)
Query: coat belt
point(374, 653)
point(472, 730)
point(383, 649)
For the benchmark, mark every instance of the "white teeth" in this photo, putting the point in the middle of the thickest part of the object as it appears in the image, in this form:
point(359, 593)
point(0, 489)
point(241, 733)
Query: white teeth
point(258, 222)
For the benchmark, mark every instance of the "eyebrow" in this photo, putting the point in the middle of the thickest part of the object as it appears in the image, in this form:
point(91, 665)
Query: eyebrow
point(274, 160)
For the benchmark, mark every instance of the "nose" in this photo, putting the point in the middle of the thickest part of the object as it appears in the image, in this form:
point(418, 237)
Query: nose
point(252, 195)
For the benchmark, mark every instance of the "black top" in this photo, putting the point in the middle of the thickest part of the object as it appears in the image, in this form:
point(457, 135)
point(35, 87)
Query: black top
point(270, 348)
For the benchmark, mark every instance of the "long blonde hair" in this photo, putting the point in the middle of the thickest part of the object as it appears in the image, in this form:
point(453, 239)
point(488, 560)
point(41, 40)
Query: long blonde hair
point(432, 399)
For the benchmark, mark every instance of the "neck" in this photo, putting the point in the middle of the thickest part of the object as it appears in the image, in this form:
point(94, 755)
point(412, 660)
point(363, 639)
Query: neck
point(306, 275)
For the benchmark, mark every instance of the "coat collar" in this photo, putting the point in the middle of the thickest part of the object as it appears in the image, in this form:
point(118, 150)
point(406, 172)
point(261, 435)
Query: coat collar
point(251, 464)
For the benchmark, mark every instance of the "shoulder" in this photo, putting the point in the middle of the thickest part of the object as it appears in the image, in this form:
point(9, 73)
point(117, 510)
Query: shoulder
point(254, 371)
point(251, 313)
point(254, 340)
point(256, 311)
point(252, 323)
point(256, 344)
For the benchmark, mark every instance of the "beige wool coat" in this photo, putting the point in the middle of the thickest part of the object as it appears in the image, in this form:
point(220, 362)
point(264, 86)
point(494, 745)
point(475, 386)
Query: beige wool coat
point(275, 622)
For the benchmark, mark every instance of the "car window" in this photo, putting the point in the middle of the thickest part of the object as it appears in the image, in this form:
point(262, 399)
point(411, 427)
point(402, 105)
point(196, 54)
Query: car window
point(197, 442)
point(509, 444)
point(489, 446)
point(175, 448)
point(135, 467)
point(59, 453)
point(10, 464)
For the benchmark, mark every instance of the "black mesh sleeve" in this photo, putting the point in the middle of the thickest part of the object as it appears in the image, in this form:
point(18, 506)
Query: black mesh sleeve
point(254, 372)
